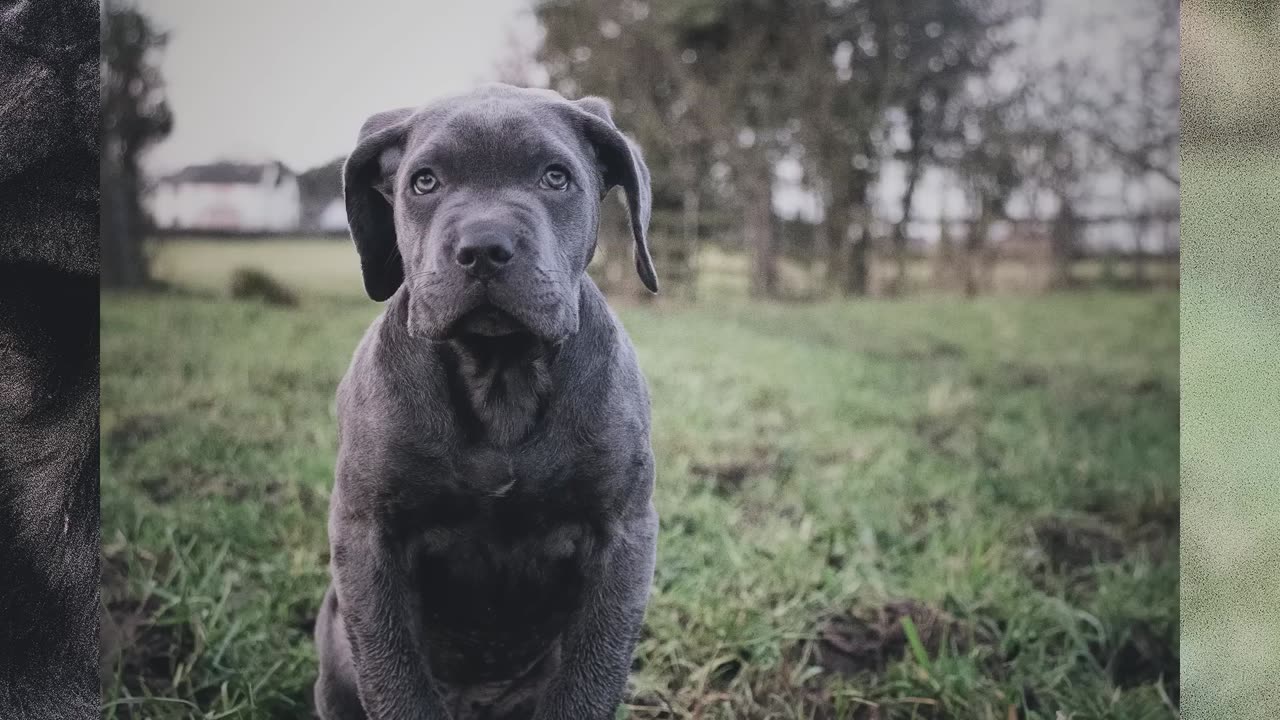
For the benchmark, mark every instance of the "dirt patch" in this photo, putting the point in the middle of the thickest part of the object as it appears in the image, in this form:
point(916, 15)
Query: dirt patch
point(158, 487)
point(922, 512)
point(1106, 532)
point(1066, 548)
point(921, 518)
point(933, 350)
point(244, 488)
point(728, 476)
point(936, 431)
point(192, 483)
point(769, 398)
point(1160, 518)
point(1155, 522)
point(1147, 386)
point(136, 645)
point(119, 624)
point(843, 645)
point(855, 452)
point(1023, 376)
point(1143, 656)
point(952, 436)
point(772, 696)
point(1068, 544)
point(868, 640)
point(945, 349)
point(132, 432)
point(305, 621)
point(312, 501)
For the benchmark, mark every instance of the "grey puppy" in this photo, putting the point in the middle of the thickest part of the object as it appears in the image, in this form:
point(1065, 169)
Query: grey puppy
point(492, 528)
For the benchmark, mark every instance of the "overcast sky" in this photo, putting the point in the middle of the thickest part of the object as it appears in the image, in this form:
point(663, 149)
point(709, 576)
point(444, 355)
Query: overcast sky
point(294, 79)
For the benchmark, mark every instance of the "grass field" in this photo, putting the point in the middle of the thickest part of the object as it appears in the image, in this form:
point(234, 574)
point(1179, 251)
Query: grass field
point(322, 266)
point(923, 508)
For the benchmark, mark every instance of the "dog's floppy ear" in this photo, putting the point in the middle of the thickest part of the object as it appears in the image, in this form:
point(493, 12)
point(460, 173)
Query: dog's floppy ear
point(623, 165)
point(367, 190)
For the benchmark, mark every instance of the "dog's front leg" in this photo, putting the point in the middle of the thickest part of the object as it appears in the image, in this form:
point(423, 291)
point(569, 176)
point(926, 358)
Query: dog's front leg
point(598, 645)
point(391, 674)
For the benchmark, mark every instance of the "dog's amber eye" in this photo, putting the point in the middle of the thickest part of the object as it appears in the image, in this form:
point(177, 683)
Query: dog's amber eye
point(424, 182)
point(556, 178)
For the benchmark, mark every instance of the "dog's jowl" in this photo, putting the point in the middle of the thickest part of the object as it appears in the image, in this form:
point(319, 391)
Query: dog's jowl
point(491, 525)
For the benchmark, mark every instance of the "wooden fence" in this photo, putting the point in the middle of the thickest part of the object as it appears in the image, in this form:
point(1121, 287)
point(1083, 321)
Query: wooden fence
point(694, 250)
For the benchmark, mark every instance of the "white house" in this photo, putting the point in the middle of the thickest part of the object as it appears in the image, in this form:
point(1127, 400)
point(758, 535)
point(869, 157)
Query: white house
point(334, 216)
point(228, 197)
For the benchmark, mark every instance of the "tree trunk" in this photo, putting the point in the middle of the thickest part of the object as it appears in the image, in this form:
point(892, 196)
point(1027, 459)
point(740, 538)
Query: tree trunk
point(1108, 266)
point(857, 278)
point(690, 231)
point(975, 242)
point(1063, 238)
point(899, 284)
point(1139, 255)
point(124, 263)
point(760, 235)
point(974, 245)
point(915, 166)
point(944, 260)
point(837, 240)
point(855, 253)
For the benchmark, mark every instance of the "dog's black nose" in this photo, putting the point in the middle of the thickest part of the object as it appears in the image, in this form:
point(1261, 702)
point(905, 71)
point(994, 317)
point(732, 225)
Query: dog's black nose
point(483, 254)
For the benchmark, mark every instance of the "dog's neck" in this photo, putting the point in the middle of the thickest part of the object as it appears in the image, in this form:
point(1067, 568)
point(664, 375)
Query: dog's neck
point(501, 388)
point(500, 385)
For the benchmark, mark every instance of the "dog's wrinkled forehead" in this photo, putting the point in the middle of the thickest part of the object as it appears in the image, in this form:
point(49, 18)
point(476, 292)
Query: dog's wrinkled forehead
point(495, 137)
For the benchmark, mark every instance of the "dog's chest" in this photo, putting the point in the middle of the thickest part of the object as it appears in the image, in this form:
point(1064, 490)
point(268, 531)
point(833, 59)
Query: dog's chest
point(497, 579)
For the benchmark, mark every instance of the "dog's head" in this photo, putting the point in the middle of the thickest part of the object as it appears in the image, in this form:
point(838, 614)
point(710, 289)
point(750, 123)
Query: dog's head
point(485, 208)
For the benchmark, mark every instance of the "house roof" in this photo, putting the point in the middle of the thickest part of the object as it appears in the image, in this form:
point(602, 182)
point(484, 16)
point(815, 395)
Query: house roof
point(226, 172)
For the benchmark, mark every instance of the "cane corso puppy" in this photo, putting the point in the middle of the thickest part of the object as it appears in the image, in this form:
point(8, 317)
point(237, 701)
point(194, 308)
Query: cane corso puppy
point(49, 540)
point(491, 525)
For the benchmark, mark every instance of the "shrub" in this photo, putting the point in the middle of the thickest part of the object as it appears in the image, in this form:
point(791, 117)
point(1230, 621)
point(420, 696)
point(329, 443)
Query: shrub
point(255, 284)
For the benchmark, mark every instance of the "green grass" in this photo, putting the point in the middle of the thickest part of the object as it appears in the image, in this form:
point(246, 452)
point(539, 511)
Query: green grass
point(976, 500)
point(320, 266)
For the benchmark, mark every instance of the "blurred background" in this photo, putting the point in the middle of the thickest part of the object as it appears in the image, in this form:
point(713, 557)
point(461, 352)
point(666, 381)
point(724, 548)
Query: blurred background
point(915, 363)
point(847, 149)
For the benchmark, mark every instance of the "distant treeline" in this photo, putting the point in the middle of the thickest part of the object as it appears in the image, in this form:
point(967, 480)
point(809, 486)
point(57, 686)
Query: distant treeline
point(857, 101)
point(863, 113)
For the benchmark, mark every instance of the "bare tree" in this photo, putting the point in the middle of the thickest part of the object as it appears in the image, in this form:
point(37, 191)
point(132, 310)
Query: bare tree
point(937, 48)
point(658, 101)
point(1135, 115)
point(1115, 116)
point(134, 116)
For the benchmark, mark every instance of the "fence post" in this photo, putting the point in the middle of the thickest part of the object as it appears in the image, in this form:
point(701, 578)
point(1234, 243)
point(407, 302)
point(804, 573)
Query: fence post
point(690, 232)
